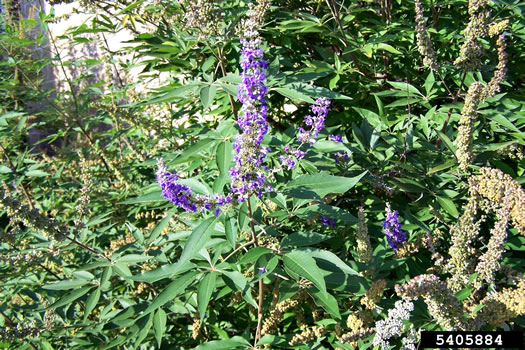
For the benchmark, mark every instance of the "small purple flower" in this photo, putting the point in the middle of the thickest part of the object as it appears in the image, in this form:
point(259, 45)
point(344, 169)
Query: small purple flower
point(336, 138)
point(316, 122)
point(392, 228)
point(262, 270)
point(331, 222)
point(341, 157)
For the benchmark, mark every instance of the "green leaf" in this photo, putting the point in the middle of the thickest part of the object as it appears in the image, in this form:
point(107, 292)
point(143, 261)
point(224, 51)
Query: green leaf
point(170, 292)
point(206, 287)
point(328, 211)
point(163, 272)
point(197, 239)
point(254, 254)
point(144, 325)
point(448, 143)
point(159, 325)
point(155, 196)
point(227, 344)
point(224, 156)
point(464, 294)
point(302, 239)
point(230, 230)
point(321, 184)
point(235, 280)
point(36, 173)
point(477, 308)
point(294, 95)
point(5, 170)
point(132, 258)
point(68, 298)
point(63, 285)
point(303, 264)
point(448, 205)
point(195, 149)
point(327, 301)
point(429, 83)
point(160, 227)
point(207, 95)
point(330, 146)
point(443, 166)
point(405, 87)
point(501, 120)
point(91, 302)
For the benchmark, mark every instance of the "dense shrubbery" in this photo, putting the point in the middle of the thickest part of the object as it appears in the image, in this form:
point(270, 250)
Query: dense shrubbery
point(204, 214)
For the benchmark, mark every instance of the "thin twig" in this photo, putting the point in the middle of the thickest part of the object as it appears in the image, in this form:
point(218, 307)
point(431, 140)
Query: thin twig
point(7, 319)
point(82, 245)
point(237, 249)
point(454, 99)
point(261, 286)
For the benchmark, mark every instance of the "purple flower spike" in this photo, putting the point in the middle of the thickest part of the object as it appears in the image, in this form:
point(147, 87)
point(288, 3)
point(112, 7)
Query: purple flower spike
point(247, 177)
point(331, 222)
point(392, 228)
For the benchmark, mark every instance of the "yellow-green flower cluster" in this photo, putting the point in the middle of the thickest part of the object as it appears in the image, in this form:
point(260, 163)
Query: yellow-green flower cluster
point(307, 334)
point(500, 188)
point(491, 191)
point(471, 50)
point(497, 28)
point(359, 320)
point(466, 125)
point(364, 249)
point(504, 305)
point(273, 320)
point(424, 45)
point(507, 199)
point(463, 254)
point(493, 86)
point(82, 207)
point(374, 294)
point(513, 151)
point(441, 302)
